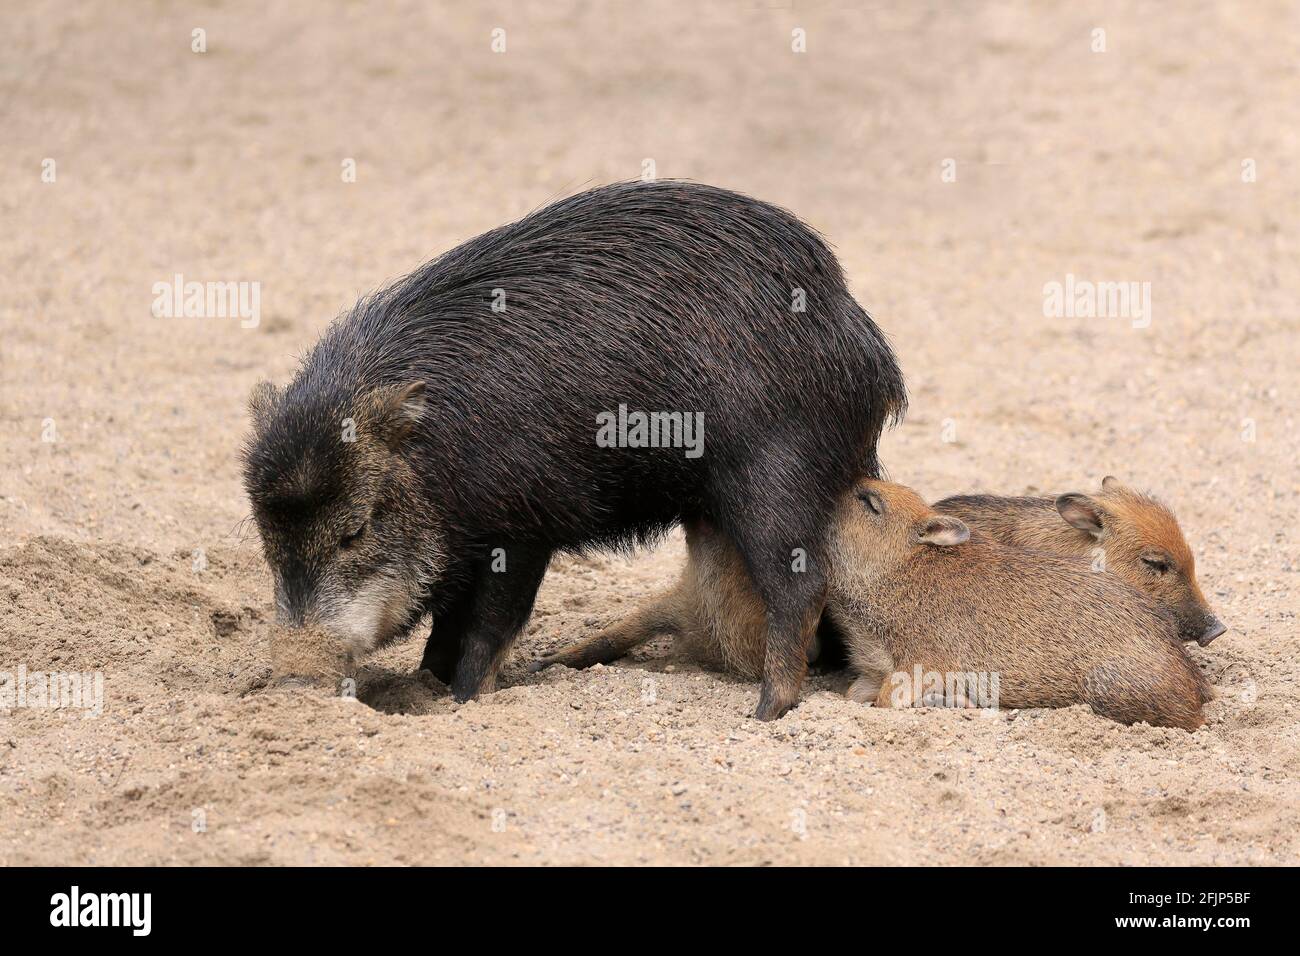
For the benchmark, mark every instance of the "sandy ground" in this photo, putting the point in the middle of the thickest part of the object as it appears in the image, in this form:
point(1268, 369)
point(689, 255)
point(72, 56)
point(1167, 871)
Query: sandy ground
point(123, 546)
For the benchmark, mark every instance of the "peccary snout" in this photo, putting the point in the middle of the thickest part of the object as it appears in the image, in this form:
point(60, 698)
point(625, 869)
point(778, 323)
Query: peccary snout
point(1213, 628)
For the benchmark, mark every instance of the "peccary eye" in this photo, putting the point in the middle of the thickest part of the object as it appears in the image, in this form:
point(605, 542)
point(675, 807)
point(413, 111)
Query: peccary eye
point(872, 501)
point(1157, 564)
point(348, 540)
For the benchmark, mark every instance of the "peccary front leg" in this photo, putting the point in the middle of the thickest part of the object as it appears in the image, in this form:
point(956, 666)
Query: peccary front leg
point(505, 589)
point(442, 650)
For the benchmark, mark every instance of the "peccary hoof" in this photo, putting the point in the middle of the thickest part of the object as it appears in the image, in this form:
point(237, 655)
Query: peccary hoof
point(770, 708)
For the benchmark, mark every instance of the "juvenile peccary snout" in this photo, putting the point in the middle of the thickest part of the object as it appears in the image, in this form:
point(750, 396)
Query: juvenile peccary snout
point(350, 550)
point(917, 592)
point(453, 431)
point(1138, 538)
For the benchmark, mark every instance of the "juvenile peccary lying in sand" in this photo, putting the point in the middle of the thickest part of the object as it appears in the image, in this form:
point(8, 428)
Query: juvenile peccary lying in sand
point(1136, 537)
point(443, 439)
point(915, 592)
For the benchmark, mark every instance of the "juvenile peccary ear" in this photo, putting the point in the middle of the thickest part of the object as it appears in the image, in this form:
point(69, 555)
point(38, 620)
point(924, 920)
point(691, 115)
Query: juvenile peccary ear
point(262, 403)
point(391, 412)
point(1111, 483)
point(943, 531)
point(1080, 511)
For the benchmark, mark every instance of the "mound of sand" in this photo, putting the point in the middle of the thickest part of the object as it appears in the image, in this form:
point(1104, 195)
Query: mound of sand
point(306, 656)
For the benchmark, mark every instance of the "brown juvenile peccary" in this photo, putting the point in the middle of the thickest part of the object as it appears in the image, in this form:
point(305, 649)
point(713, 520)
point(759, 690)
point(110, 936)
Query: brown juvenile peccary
point(911, 588)
point(711, 612)
point(917, 592)
point(1135, 536)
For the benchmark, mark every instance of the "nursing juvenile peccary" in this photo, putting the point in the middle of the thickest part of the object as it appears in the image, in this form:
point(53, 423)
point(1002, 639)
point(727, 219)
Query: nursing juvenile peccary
point(917, 592)
point(474, 390)
point(1138, 537)
point(911, 588)
point(712, 614)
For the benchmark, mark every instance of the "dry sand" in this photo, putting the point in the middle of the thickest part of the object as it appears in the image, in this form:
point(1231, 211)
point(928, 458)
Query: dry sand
point(123, 545)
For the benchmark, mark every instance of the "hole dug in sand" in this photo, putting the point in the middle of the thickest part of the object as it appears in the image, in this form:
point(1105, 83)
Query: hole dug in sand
point(404, 691)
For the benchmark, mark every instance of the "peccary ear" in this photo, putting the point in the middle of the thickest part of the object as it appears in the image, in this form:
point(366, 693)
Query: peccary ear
point(1080, 511)
point(1111, 483)
point(943, 531)
point(262, 403)
point(394, 410)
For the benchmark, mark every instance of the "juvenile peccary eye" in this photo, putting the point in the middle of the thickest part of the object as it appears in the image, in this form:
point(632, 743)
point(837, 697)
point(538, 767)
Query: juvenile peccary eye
point(1157, 564)
point(873, 501)
point(348, 540)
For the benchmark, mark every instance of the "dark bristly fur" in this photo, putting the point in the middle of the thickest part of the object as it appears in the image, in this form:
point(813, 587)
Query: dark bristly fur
point(663, 296)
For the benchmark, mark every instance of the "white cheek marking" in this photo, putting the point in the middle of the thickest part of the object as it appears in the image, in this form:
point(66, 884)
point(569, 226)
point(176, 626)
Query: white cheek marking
point(381, 602)
point(360, 621)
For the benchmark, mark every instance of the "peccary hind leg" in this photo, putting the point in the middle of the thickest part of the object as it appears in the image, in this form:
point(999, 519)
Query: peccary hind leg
point(793, 610)
point(780, 533)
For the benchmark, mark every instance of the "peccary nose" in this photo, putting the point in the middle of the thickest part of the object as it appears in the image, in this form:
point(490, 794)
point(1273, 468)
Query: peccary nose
point(294, 600)
point(1213, 628)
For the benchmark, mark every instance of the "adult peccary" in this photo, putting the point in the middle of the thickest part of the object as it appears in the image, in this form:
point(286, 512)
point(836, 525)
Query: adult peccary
point(474, 390)
point(1122, 531)
point(916, 596)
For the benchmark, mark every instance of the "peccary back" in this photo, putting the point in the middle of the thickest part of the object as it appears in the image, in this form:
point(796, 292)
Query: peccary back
point(662, 296)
